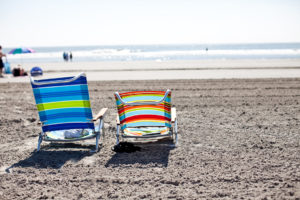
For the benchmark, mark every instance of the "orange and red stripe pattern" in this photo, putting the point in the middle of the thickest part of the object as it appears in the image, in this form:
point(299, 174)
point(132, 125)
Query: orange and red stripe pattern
point(146, 114)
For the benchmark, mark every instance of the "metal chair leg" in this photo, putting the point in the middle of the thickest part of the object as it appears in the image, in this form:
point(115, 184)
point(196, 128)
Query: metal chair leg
point(39, 142)
point(99, 135)
point(176, 135)
point(103, 133)
point(117, 135)
point(97, 142)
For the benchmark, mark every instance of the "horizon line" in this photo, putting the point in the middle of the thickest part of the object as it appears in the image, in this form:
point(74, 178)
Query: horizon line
point(150, 44)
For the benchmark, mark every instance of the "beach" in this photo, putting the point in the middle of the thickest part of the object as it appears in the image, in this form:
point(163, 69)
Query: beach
point(166, 70)
point(238, 125)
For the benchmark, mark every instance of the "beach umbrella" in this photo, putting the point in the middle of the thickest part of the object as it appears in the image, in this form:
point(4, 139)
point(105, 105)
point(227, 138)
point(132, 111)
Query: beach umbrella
point(21, 50)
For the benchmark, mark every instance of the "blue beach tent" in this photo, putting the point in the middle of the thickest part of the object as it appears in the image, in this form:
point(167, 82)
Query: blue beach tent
point(36, 71)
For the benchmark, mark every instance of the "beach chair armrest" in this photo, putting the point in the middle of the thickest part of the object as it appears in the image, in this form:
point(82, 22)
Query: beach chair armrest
point(100, 114)
point(118, 120)
point(173, 114)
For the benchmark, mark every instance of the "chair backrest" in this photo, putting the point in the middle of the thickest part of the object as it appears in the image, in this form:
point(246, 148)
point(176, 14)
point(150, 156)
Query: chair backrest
point(144, 108)
point(63, 103)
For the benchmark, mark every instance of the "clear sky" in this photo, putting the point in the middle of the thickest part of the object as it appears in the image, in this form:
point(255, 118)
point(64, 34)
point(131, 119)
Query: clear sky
point(102, 22)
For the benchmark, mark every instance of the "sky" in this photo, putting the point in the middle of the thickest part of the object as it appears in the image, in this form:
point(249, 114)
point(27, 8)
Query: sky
point(31, 23)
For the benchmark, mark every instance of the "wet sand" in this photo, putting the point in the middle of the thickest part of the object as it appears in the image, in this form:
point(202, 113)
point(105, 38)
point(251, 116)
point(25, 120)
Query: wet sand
point(238, 139)
point(163, 70)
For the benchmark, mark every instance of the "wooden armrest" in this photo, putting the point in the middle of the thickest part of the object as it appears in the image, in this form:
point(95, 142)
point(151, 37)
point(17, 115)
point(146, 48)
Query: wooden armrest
point(173, 114)
point(100, 114)
point(118, 120)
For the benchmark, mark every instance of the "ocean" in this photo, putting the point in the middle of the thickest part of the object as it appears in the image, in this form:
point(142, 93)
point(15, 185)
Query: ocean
point(159, 52)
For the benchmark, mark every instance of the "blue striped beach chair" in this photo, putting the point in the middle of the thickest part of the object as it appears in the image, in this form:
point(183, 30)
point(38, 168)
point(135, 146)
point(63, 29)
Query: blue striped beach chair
point(64, 109)
point(145, 114)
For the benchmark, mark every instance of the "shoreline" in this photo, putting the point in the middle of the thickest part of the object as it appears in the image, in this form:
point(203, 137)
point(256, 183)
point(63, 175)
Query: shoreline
point(166, 70)
point(170, 64)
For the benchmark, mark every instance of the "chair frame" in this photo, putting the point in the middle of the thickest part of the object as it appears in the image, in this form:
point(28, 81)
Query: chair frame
point(100, 116)
point(174, 119)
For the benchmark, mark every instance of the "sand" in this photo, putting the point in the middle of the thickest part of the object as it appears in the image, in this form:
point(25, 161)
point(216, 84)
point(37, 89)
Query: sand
point(238, 139)
point(163, 70)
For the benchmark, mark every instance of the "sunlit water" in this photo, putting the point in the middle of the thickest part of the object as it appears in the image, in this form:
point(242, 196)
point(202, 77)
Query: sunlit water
point(159, 52)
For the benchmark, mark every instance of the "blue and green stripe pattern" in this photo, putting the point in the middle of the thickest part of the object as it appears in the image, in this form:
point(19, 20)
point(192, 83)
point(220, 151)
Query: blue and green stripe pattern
point(63, 103)
point(144, 115)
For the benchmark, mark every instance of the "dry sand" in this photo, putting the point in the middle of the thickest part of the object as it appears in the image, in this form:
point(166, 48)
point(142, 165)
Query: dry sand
point(238, 139)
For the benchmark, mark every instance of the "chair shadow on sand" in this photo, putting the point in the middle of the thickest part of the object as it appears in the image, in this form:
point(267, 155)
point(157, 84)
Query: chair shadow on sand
point(154, 154)
point(55, 158)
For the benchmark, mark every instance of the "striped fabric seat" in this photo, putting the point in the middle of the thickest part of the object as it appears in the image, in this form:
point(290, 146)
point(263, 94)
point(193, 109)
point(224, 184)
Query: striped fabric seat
point(70, 134)
point(146, 131)
point(141, 109)
point(63, 103)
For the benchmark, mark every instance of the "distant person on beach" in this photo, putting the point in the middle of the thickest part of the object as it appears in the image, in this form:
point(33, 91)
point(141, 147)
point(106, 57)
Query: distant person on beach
point(1, 62)
point(71, 56)
point(66, 56)
point(19, 71)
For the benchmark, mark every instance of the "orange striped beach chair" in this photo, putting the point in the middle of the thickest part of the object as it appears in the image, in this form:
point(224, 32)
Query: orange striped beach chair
point(145, 114)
